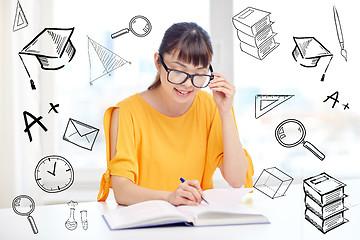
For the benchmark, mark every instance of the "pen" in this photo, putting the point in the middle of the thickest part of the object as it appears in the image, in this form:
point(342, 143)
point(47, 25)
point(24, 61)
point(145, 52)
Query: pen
point(183, 180)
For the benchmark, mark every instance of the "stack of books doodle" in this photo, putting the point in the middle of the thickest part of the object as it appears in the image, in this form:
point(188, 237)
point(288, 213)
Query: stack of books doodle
point(324, 202)
point(254, 30)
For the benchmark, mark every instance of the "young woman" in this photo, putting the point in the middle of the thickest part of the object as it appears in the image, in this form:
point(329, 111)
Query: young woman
point(174, 130)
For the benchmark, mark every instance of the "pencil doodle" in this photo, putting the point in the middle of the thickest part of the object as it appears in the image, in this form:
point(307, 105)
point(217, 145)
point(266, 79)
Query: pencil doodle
point(84, 220)
point(72, 203)
point(273, 182)
point(339, 33)
point(102, 61)
point(324, 202)
point(20, 20)
point(53, 107)
point(52, 47)
point(346, 106)
point(291, 132)
point(54, 174)
point(335, 97)
point(32, 84)
point(71, 223)
point(80, 134)
point(254, 30)
point(24, 205)
point(139, 25)
point(308, 51)
point(265, 103)
point(35, 120)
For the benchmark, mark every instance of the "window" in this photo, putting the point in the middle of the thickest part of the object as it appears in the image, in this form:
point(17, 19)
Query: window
point(334, 131)
point(87, 103)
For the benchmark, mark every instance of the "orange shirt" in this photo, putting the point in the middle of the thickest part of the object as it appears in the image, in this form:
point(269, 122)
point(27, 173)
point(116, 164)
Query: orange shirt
point(154, 150)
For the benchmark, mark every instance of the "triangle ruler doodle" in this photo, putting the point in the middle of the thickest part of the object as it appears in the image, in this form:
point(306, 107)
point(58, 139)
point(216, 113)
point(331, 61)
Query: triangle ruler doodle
point(102, 60)
point(265, 103)
point(20, 19)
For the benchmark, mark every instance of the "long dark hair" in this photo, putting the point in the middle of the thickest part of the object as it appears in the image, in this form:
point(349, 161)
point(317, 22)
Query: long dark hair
point(192, 43)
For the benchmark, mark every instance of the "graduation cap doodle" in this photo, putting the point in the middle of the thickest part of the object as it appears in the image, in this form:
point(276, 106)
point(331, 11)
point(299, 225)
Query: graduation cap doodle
point(52, 47)
point(308, 51)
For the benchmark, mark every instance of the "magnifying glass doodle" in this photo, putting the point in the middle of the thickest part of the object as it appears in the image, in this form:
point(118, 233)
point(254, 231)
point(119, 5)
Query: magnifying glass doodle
point(139, 25)
point(24, 205)
point(291, 132)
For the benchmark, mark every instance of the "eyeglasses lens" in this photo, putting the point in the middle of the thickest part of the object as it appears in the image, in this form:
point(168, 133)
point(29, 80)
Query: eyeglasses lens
point(177, 77)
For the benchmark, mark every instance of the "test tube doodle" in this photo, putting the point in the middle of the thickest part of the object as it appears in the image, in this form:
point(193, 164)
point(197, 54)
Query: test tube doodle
point(84, 220)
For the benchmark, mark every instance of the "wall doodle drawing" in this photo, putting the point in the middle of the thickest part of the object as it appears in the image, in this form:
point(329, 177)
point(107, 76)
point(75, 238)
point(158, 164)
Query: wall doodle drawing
point(24, 205)
point(308, 51)
point(53, 107)
point(52, 47)
point(339, 33)
point(139, 25)
point(54, 174)
point(102, 61)
point(324, 202)
point(335, 97)
point(291, 132)
point(20, 20)
point(84, 220)
point(80, 134)
point(273, 182)
point(254, 30)
point(35, 120)
point(71, 223)
point(265, 103)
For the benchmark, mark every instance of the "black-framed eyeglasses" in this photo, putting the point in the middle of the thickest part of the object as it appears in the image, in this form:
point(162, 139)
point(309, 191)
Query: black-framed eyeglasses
point(179, 77)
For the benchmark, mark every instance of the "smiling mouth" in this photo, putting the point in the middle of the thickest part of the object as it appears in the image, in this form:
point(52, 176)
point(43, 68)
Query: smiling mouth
point(182, 92)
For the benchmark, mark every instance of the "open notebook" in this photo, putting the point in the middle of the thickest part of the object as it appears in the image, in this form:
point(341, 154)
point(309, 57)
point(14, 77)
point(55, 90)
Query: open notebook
point(224, 209)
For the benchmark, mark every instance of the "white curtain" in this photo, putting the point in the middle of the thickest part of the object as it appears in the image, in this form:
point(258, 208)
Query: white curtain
point(18, 155)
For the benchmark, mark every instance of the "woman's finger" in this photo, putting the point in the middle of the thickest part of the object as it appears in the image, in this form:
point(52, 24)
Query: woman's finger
point(218, 75)
point(228, 92)
point(196, 196)
point(221, 82)
point(196, 184)
point(186, 194)
point(222, 85)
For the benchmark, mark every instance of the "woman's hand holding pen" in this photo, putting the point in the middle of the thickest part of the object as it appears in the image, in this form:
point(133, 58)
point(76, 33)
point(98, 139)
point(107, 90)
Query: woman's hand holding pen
point(223, 92)
point(187, 193)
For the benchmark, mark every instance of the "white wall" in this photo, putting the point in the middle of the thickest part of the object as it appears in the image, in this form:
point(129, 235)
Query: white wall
point(7, 123)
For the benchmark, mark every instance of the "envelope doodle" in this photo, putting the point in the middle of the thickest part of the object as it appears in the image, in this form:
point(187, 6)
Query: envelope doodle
point(80, 134)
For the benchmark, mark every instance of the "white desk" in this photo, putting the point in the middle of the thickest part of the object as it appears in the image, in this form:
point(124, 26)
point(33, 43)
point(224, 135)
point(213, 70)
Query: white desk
point(286, 215)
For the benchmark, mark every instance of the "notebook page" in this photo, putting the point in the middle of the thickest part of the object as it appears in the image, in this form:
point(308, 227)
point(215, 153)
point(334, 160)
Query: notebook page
point(225, 195)
point(220, 201)
point(142, 214)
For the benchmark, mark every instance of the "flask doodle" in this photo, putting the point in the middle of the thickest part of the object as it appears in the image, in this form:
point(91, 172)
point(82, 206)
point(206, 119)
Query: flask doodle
point(71, 223)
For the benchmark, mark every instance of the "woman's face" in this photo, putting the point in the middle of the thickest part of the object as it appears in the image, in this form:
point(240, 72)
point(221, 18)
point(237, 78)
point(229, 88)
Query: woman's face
point(185, 92)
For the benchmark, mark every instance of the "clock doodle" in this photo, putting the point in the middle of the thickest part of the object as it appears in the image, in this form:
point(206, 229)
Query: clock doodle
point(54, 174)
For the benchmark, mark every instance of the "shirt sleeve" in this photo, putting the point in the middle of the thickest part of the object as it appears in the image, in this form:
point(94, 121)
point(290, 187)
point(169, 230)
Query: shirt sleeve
point(124, 162)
